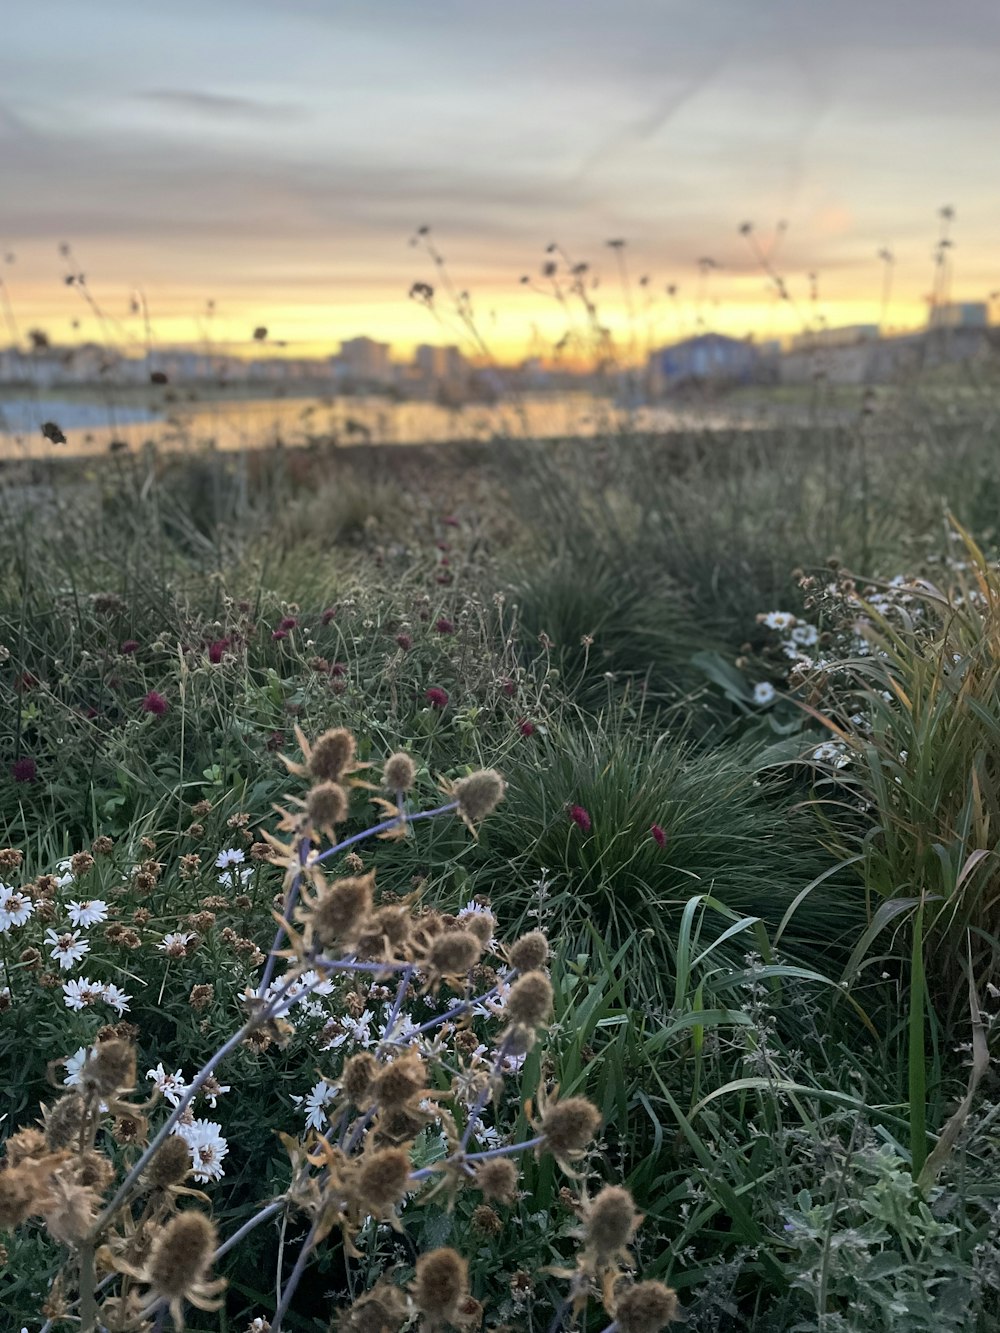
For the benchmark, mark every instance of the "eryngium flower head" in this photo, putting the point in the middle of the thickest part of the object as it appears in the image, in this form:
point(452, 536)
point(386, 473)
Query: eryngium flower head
point(381, 1310)
point(109, 1069)
point(610, 1222)
point(342, 910)
point(358, 1076)
point(453, 954)
point(401, 1083)
point(332, 755)
point(497, 1178)
point(327, 804)
point(529, 1002)
point(400, 772)
point(645, 1307)
point(569, 1126)
point(170, 1165)
point(178, 1264)
point(64, 1120)
point(383, 1179)
point(482, 925)
point(530, 952)
point(440, 1284)
point(479, 794)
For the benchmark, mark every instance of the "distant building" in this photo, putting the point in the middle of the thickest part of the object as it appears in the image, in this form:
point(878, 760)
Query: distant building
point(709, 356)
point(365, 359)
point(959, 315)
point(848, 335)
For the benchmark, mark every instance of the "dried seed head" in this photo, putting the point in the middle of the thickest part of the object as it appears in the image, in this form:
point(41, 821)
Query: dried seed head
point(645, 1307)
point(400, 1124)
point(568, 1126)
point(10, 859)
point(400, 772)
point(481, 924)
point(454, 954)
point(402, 1082)
point(332, 755)
point(383, 1179)
point(440, 1284)
point(610, 1223)
point(181, 1254)
point(343, 909)
point(20, 1195)
point(485, 1221)
point(102, 846)
point(24, 1145)
point(530, 952)
point(381, 1310)
point(80, 863)
point(479, 794)
point(93, 1169)
point(359, 1074)
point(70, 1210)
point(109, 1069)
point(64, 1120)
point(497, 1178)
point(170, 1165)
point(529, 1003)
point(327, 804)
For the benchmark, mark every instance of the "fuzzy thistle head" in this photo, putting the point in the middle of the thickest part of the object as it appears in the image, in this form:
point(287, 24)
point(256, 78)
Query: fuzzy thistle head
point(342, 909)
point(64, 1120)
point(401, 1083)
point(382, 1310)
point(610, 1222)
point(479, 794)
point(440, 1284)
point(529, 1003)
point(481, 924)
point(327, 805)
point(170, 1165)
point(645, 1307)
point(569, 1126)
point(497, 1179)
point(109, 1069)
point(179, 1261)
point(530, 952)
point(400, 772)
point(358, 1076)
point(453, 954)
point(383, 1179)
point(332, 755)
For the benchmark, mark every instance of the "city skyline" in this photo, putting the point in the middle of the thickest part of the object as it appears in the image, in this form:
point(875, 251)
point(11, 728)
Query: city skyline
point(284, 181)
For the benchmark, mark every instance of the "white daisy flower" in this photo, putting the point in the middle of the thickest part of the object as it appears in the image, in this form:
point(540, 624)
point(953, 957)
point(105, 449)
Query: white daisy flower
point(73, 1065)
point(314, 1104)
point(15, 908)
point(831, 753)
point(354, 1031)
point(400, 1032)
point(171, 1086)
point(208, 1147)
point(764, 693)
point(230, 856)
point(212, 1089)
point(780, 620)
point(176, 943)
point(88, 913)
point(116, 997)
point(81, 993)
point(64, 873)
point(67, 948)
point(805, 635)
point(236, 877)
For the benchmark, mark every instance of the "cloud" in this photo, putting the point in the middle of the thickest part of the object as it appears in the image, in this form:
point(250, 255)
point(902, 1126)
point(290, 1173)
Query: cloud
point(219, 105)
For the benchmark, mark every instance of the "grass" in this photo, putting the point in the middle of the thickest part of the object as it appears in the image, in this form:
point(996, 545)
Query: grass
point(759, 995)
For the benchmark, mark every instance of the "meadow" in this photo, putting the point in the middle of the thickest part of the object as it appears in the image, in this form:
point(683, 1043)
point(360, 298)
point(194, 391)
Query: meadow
point(742, 690)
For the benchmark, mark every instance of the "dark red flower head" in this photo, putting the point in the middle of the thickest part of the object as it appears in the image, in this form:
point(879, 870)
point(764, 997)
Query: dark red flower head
point(580, 817)
point(658, 835)
point(129, 647)
point(436, 697)
point(507, 689)
point(24, 770)
point(525, 727)
point(216, 649)
point(444, 626)
point(155, 703)
point(289, 622)
point(279, 634)
point(328, 615)
point(450, 521)
point(404, 641)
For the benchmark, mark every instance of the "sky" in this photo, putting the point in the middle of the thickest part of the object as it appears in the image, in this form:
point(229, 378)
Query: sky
point(276, 156)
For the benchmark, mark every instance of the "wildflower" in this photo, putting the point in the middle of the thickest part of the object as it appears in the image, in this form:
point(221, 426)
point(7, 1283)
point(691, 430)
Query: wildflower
point(115, 996)
point(216, 650)
point(764, 693)
point(440, 1284)
point(610, 1222)
point(68, 949)
point(10, 859)
point(175, 944)
point(404, 641)
point(399, 773)
point(645, 1307)
point(178, 1265)
point(658, 835)
point(81, 993)
point(529, 1002)
point(580, 817)
point(211, 1089)
point(155, 703)
point(15, 908)
point(73, 1064)
point(568, 1126)
point(779, 620)
point(170, 1165)
point(327, 804)
point(331, 755)
point(230, 856)
point(171, 1086)
point(24, 770)
point(444, 626)
point(89, 913)
point(479, 794)
point(208, 1148)
point(328, 615)
point(525, 727)
point(436, 697)
point(805, 635)
point(530, 952)
point(315, 1104)
point(201, 996)
point(128, 647)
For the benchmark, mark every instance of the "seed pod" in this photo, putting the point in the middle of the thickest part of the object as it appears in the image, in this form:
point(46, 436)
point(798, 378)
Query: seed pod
point(529, 1004)
point(497, 1178)
point(441, 1281)
point(358, 1075)
point(327, 804)
point(170, 1165)
point(569, 1126)
point(454, 954)
point(400, 772)
point(383, 1179)
point(530, 952)
point(109, 1069)
point(611, 1222)
point(332, 755)
point(645, 1307)
point(342, 910)
point(479, 794)
point(181, 1254)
